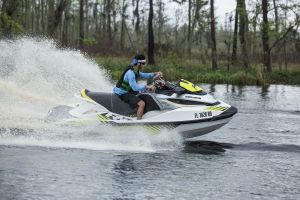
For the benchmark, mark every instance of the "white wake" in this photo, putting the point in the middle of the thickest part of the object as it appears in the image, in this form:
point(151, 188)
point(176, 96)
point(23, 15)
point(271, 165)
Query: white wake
point(36, 75)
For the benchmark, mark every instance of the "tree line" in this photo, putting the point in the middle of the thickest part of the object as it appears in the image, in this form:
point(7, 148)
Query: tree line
point(256, 32)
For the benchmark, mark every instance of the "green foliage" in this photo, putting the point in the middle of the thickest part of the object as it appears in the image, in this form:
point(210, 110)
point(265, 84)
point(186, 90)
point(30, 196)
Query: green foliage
point(89, 41)
point(243, 78)
point(115, 66)
point(8, 25)
point(260, 80)
point(175, 69)
point(284, 77)
point(172, 58)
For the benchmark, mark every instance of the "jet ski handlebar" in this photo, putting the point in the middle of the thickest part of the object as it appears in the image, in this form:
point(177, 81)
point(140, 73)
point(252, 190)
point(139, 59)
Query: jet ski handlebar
point(159, 82)
point(150, 88)
point(158, 75)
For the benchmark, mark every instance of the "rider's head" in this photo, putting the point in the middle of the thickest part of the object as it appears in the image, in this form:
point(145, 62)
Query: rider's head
point(139, 60)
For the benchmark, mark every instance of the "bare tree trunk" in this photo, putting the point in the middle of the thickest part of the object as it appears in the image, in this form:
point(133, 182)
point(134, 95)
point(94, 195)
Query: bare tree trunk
point(254, 53)
point(189, 36)
point(74, 35)
point(115, 25)
point(228, 42)
point(213, 37)
point(86, 19)
point(95, 15)
point(137, 16)
point(208, 39)
point(42, 17)
point(276, 17)
point(265, 37)
point(108, 15)
point(81, 24)
point(235, 36)
point(198, 6)
point(243, 32)
point(33, 16)
point(160, 23)
point(38, 17)
point(196, 19)
point(50, 17)
point(277, 51)
point(65, 34)
point(54, 17)
point(284, 43)
point(103, 21)
point(27, 12)
point(150, 35)
point(122, 37)
point(177, 19)
point(137, 24)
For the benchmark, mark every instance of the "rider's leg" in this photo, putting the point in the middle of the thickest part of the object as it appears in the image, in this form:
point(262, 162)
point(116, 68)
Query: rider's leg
point(140, 111)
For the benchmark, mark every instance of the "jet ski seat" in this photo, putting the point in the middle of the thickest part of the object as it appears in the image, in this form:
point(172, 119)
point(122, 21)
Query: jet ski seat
point(151, 102)
point(114, 104)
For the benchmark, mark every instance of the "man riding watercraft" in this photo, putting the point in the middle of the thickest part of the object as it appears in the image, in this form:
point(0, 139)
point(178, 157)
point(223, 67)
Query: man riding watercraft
point(127, 87)
point(182, 106)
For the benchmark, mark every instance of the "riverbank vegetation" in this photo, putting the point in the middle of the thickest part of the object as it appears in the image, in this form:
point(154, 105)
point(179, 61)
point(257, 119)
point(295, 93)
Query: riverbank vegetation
point(175, 68)
point(258, 42)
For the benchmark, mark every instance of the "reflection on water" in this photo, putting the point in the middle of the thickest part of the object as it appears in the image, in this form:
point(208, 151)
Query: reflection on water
point(212, 88)
point(212, 147)
point(240, 89)
point(124, 164)
point(255, 156)
point(204, 147)
point(264, 91)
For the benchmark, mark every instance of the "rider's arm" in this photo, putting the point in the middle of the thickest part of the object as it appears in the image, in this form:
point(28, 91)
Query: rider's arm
point(147, 75)
point(130, 77)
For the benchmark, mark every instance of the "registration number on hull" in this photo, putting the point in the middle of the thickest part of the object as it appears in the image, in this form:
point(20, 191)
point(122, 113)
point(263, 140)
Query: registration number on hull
point(203, 114)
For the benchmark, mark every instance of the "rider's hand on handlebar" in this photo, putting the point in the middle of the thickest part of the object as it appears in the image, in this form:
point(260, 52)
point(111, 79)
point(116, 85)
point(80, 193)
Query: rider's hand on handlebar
point(158, 74)
point(150, 88)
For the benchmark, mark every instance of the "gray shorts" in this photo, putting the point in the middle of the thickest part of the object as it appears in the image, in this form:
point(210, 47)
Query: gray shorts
point(131, 99)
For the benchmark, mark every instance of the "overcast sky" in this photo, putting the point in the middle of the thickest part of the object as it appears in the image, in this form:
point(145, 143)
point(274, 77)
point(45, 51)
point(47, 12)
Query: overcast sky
point(221, 8)
point(224, 6)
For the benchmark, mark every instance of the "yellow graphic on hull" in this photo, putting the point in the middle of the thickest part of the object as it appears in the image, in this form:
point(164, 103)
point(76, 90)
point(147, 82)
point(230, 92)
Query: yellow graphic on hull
point(217, 108)
point(85, 96)
point(102, 118)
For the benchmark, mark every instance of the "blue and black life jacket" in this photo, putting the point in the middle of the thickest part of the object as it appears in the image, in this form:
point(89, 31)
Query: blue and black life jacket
point(124, 84)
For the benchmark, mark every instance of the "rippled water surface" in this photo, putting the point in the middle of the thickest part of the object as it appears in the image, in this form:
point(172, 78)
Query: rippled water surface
point(255, 156)
point(261, 161)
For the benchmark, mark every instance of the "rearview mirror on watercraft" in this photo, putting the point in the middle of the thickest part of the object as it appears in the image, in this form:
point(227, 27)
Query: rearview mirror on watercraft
point(183, 107)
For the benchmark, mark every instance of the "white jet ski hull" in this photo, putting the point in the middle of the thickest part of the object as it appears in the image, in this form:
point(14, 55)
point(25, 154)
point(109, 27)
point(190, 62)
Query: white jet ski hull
point(199, 129)
point(189, 113)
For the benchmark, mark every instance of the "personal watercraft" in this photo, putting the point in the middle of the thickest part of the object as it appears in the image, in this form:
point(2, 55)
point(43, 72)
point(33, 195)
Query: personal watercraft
point(183, 106)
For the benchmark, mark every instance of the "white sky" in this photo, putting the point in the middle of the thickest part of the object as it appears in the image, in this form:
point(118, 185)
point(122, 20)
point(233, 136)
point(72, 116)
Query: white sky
point(224, 6)
point(221, 8)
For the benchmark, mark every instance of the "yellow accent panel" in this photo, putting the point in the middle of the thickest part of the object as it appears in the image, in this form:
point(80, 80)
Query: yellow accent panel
point(83, 94)
point(153, 129)
point(189, 86)
point(102, 118)
point(99, 118)
point(216, 108)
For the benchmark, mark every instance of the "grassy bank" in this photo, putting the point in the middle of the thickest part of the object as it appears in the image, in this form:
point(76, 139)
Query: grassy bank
point(191, 70)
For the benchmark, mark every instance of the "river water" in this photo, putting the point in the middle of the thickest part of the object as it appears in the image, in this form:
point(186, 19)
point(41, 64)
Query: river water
point(255, 156)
